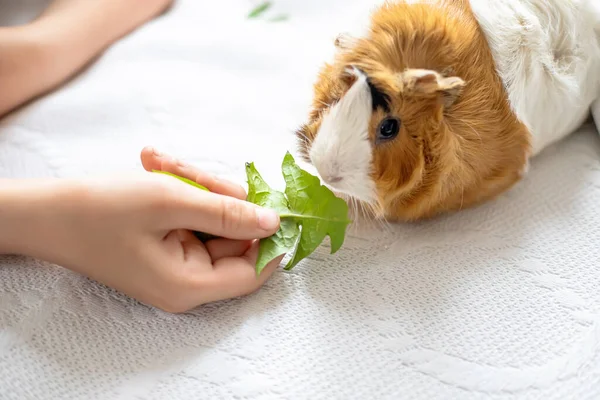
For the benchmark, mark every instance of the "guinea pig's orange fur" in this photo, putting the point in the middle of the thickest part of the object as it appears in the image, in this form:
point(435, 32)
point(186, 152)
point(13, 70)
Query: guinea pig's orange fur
point(460, 144)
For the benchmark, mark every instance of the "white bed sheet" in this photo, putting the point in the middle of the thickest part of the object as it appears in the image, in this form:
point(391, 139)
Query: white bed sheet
point(498, 302)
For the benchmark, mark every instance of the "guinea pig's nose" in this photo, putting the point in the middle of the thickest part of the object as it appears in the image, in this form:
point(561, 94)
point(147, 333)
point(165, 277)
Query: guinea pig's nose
point(332, 179)
point(328, 170)
point(332, 173)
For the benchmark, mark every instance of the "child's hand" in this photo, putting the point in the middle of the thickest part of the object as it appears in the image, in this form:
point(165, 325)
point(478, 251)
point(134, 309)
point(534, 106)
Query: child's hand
point(132, 234)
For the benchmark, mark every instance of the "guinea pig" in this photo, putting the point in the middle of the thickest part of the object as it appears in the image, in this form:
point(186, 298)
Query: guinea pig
point(439, 105)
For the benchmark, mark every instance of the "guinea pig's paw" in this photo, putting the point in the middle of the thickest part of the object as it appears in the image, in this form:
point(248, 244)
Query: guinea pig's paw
point(429, 82)
point(525, 170)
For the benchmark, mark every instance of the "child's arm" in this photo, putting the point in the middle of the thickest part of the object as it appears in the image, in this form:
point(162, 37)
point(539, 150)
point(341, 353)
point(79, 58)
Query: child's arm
point(38, 57)
point(8, 200)
point(21, 202)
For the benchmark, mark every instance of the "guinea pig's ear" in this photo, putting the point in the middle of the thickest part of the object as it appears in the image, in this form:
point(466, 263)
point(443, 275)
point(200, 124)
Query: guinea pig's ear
point(344, 41)
point(427, 82)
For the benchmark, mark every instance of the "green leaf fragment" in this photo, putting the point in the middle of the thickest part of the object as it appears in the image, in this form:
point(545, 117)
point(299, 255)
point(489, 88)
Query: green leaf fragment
point(259, 9)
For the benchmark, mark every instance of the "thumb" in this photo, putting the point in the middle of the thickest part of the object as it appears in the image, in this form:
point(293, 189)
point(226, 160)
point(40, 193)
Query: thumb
point(222, 215)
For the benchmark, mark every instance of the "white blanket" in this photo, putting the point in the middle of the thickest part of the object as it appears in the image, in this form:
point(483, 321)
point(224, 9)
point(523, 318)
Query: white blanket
point(499, 302)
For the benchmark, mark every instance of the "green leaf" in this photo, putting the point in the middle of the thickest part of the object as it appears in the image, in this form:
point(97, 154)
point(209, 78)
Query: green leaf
point(284, 240)
point(318, 210)
point(309, 212)
point(260, 9)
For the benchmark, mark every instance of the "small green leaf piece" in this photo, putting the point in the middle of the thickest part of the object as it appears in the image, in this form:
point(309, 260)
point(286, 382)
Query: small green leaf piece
point(259, 9)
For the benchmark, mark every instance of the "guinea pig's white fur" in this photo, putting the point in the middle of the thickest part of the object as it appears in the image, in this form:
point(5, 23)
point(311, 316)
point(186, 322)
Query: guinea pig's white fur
point(547, 53)
point(342, 152)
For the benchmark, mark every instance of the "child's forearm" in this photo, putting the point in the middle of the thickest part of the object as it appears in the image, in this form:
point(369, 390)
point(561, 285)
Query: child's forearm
point(38, 57)
point(23, 74)
point(12, 215)
point(25, 206)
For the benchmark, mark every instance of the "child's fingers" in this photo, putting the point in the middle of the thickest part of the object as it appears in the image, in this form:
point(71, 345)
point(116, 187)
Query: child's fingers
point(221, 248)
point(186, 207)
point(154, 160)
point(207, 180)
point(236, 276)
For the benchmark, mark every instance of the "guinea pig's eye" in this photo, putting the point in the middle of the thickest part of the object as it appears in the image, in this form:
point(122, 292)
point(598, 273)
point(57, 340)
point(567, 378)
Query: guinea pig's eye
point(388, 129)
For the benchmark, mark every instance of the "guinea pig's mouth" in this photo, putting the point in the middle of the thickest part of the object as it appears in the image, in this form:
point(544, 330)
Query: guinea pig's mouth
point(360, 204)
point(349, 189)
point(340, 185)
point(348, 194)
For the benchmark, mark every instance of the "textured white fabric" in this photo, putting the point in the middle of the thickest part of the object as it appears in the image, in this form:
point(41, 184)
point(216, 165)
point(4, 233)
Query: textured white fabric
point(499, 302)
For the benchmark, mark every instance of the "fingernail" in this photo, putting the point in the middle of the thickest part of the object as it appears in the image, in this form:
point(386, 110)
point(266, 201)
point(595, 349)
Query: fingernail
point(156, 152)
point(267, 219)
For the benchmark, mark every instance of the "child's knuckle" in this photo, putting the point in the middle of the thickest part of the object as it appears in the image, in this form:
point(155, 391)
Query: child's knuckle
point(231, 214)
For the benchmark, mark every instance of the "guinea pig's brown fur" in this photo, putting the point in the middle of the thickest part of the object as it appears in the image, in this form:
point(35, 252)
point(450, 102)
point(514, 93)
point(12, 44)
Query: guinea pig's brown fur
point(459, 143)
